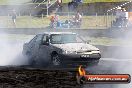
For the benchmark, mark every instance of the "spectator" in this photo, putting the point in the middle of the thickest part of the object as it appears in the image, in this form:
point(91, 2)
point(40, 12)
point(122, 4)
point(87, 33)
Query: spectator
point(78, 1)
point(72, 5)
point(59, 4)
point(118, 13)
point(52, 21)
point(56, 18)
point(124, 16)
point(118, 17)
point(14, 17)
point(55, 21)
point(77, 19)
point(48, 1)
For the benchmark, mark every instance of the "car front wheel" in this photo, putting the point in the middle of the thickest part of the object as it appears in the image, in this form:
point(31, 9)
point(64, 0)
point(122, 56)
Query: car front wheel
point(55, 60)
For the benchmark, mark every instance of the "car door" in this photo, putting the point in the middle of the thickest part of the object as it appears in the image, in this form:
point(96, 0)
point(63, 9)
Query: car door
point(30, 46)
point(44, 49)
point(37, 43)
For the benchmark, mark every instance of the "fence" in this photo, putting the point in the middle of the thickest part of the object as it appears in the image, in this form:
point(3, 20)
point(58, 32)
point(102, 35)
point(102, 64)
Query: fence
point(41, 21)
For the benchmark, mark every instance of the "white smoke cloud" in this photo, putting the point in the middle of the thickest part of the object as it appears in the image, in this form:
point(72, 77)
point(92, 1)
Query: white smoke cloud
point(11, 51)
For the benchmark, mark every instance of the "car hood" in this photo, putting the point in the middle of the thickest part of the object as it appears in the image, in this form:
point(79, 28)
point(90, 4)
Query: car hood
point(76, 47)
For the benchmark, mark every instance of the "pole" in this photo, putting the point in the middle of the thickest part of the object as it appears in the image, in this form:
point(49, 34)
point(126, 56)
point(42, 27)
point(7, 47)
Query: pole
point(47, 9)
point(68, 20)
point(111, 19)
point(96, 20)
point(107, 20)
point(42, 16)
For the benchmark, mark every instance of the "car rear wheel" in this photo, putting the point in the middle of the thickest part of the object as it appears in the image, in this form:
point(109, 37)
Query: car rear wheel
point(55, 60)
point(29, 57)
point(31, 60)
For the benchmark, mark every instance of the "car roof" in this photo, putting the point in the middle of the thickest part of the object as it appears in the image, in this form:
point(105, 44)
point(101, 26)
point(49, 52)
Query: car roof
point(50, 33)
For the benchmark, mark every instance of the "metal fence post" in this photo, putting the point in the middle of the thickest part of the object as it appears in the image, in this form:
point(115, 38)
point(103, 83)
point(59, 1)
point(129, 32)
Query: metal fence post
point(19, 14)
point(96, 19)
point(42, 16)
point(30, 18)
point(104, 20)
point(68, 20)
point(8, 21)
point(111, 19)
point(47, 9)
point(107, 20)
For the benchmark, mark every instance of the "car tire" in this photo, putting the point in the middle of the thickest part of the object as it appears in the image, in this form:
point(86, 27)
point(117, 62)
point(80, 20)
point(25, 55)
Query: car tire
point(30, 58)
point(38, 62)
point(55, 60)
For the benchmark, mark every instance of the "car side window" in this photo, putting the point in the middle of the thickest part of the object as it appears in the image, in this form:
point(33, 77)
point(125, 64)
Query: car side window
point(44, 38)
point(33, 40)
point(39, 38)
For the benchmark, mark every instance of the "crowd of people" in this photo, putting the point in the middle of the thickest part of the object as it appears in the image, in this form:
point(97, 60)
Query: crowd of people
point(121, 18)
point(75, 21)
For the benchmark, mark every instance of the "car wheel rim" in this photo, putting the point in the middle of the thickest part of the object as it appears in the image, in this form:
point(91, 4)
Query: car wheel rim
point(56, 60)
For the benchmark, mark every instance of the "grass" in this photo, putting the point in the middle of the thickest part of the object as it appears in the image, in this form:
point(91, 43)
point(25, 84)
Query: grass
point(88, 22)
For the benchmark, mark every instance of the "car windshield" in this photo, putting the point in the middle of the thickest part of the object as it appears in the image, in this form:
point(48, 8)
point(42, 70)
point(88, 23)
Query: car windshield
point(64, 38)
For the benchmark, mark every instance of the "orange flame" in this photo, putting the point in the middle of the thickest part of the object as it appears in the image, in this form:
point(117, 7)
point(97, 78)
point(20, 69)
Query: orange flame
point(82, 72)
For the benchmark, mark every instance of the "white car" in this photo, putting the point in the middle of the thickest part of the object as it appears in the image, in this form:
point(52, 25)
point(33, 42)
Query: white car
point(60, 48)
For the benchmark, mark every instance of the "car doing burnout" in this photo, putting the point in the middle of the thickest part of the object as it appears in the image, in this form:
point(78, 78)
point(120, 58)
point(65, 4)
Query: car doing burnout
point(60, 48)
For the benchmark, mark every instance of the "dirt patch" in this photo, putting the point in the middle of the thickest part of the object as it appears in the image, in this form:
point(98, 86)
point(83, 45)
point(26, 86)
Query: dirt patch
point(36, 78)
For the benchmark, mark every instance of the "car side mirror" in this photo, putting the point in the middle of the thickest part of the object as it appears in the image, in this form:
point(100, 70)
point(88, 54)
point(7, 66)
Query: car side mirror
point(45, 43)
point(87, 42)
point(25, 44)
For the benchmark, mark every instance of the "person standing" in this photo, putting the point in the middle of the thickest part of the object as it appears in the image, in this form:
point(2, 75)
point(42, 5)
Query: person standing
point(78, 19)
point(48, 1)
point(118, 17)
point(52, 21)
point(124, 16)
point(59, 2)
point(14, 15)
point(59, 5)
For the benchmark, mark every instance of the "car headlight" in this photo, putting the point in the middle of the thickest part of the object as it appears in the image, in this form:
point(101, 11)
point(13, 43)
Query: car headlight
point(68, 52)
point(64, 52)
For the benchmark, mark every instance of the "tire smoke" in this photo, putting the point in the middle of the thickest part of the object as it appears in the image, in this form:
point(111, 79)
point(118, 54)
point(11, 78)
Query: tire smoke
point(10, 51)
